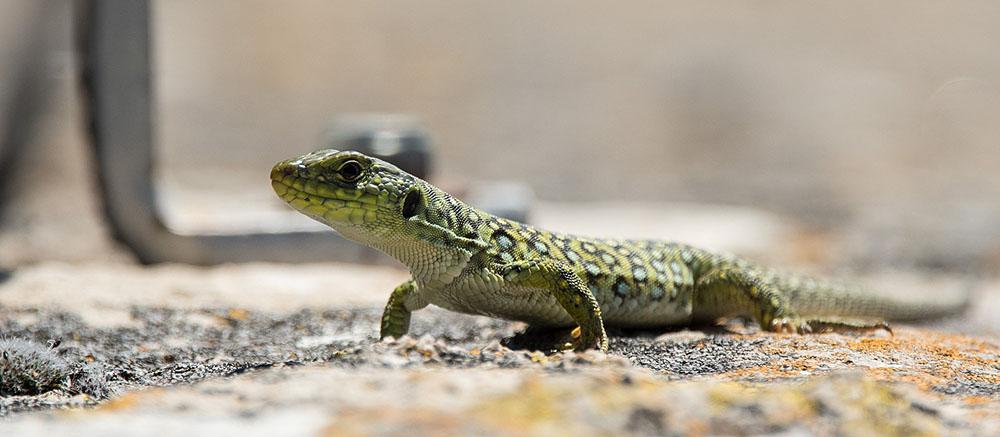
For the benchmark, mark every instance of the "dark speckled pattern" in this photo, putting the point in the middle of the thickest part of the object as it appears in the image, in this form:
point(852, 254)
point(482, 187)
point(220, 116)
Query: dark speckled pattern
point(459, 257)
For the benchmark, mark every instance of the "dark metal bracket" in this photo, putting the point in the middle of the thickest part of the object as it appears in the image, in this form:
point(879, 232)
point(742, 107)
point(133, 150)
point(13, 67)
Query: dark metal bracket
point(115, 40)
point(115, 48)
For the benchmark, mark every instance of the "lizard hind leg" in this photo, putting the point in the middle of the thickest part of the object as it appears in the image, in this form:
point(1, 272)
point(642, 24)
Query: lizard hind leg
point(728, 291)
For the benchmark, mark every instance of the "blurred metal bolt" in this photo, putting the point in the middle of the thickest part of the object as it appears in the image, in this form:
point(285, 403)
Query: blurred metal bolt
point(396, 138)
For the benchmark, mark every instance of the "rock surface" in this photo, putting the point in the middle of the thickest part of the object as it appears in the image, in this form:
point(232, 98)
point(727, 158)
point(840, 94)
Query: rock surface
point(271, 349)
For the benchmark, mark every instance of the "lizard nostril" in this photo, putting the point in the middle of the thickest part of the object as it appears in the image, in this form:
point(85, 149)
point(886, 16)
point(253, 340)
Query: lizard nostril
point(288, 170)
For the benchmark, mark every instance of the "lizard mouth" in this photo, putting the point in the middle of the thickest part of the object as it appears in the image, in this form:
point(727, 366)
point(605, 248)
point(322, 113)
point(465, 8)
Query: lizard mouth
point(321, 201)
point(310, 204)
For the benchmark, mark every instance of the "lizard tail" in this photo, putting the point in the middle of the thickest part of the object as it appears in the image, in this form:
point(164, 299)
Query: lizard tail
point(815, 298)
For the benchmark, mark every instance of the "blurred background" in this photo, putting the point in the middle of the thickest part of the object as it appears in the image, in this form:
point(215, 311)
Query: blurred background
point(868, 132)
point(141, 244)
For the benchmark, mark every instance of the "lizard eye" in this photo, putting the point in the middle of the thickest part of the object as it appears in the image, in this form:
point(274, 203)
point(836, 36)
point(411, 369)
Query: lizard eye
point(349, 171)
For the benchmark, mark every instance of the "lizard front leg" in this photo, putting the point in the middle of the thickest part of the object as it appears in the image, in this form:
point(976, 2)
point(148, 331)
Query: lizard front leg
point(726, 291)
point(402, 302)
point(569, 290)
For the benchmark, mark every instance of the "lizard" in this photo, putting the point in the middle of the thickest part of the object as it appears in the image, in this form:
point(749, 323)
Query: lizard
point(466, 260)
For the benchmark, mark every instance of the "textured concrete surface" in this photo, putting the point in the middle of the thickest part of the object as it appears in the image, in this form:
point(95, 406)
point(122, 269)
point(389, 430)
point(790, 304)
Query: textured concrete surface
point(325, 401)
point(267, 349)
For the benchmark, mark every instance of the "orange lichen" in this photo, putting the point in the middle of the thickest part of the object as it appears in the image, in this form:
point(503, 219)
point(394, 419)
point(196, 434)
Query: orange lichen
point(238, 314)
point(418, 421)
point(787, 369)
point(941, 358)
point(925, 359)
point(977, 400)
point(127, 401)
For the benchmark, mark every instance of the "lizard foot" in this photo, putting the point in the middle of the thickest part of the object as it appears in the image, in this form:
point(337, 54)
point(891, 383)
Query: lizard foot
point(795, 325)
point(789, 325)
point(848, 326)
point(394, 326)
point(582, 342)
point(553, 340)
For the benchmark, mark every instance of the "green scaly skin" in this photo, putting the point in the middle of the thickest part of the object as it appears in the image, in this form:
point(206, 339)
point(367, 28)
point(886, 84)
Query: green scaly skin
point(469, 261)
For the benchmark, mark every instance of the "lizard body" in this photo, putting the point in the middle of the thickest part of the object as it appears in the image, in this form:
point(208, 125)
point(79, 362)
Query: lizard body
point(466, 260)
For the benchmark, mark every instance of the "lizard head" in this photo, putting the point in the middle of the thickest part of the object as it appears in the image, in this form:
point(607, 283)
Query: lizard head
point(363, 198)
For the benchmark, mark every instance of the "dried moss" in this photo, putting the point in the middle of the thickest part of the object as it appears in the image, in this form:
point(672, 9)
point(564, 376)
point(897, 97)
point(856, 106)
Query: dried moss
point(27, 368)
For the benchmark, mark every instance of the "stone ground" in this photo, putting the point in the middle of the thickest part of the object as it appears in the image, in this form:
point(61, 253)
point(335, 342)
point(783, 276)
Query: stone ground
point(264, 349)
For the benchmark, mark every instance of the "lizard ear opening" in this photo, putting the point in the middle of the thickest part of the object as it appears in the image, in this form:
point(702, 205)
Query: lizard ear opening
point(413, 203)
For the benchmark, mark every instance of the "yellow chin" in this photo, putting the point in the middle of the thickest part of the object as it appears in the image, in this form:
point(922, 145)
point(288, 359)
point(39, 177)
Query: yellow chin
point(322, 206)
point(329, 211)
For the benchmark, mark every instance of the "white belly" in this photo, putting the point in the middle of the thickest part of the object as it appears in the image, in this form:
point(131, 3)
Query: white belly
point(470, 294)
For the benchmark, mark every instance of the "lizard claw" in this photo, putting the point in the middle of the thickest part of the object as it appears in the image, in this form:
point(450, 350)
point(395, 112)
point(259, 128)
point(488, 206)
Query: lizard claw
point(583, 342)
point(795, 325)
point(789, 325)
point(849, 326)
